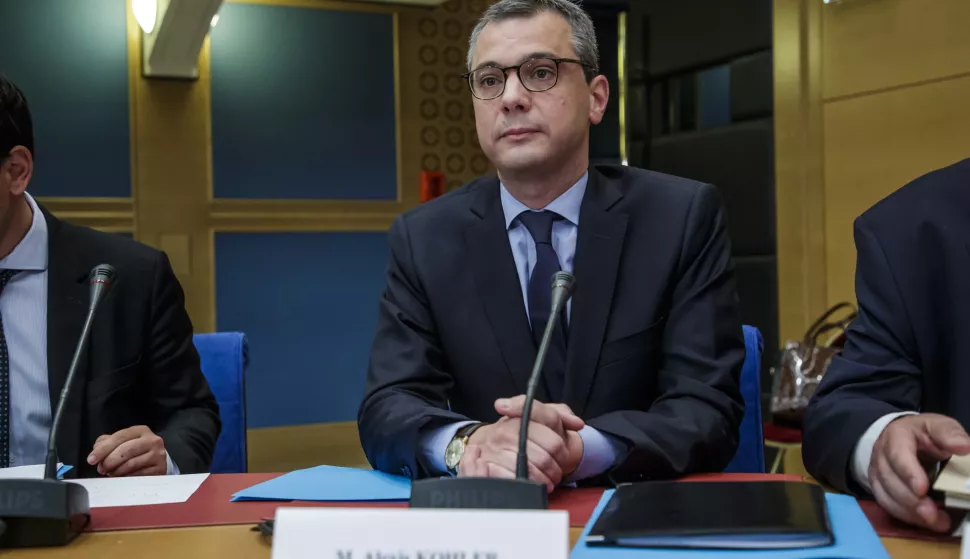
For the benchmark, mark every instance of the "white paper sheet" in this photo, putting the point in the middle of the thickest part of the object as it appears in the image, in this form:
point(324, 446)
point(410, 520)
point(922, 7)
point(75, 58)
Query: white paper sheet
point(23, 472)
point(312, 533)
point(35, 471)
point(146, 490)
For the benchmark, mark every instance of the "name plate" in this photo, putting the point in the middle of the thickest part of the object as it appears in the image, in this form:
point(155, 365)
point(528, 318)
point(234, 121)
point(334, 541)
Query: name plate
point(359, 533)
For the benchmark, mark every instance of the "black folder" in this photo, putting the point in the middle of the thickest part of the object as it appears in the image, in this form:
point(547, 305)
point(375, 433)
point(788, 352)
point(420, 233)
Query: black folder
point(714, 515)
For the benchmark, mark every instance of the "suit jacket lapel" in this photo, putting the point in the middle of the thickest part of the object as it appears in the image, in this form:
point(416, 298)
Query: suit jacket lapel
point(66, 310)
point(598, 251)
point(497, 282)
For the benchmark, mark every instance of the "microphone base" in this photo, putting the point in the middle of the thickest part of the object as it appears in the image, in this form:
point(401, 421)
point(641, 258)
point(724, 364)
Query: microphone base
point(42, 512)
point(478, 493)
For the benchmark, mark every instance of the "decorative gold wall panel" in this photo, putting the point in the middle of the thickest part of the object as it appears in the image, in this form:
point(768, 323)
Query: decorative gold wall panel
point(294, 447)
point(332, 5)
point(878, 143)
point(172, 174)
point(874, 45)
point(438, 119)
point(116, 215)
point(868, 95)
point(799, 198)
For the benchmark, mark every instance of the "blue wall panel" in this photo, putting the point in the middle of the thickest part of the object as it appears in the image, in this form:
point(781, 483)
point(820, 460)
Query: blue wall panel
point(70, 58)
point(308, 303)
point(714, 97)
point(303, 104)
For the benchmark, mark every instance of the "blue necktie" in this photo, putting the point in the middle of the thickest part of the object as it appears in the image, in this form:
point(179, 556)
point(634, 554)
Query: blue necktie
point(539, 291)
point(5, 276)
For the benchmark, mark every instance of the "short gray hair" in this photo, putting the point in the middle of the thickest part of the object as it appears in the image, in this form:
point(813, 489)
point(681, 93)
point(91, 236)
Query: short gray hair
point(584, 34)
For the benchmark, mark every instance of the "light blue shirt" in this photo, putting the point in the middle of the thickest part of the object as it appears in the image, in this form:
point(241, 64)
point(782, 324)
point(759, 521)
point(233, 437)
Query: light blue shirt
point(564, 233)
point(23, 308)
point(599, 451)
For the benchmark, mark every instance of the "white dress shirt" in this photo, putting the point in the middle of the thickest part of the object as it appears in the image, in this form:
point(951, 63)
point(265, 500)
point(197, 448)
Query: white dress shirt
point(862, 455)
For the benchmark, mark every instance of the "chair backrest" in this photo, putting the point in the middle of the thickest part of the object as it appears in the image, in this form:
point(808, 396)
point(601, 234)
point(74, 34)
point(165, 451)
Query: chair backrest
point(225, 356)
point(750, 457)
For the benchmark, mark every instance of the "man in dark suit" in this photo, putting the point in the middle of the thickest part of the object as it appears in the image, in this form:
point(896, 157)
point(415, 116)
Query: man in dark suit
point(642, 379)
point(894, 403)
point(142, 406)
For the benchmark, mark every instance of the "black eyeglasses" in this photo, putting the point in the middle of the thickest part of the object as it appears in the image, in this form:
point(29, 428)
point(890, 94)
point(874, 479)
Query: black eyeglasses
point(536, 75)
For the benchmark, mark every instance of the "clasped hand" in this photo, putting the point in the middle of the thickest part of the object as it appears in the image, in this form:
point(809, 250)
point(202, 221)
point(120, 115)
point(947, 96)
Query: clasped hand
point(554, 448)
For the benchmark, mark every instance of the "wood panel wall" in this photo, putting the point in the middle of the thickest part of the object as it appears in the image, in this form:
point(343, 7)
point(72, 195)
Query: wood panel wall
point(869, 94)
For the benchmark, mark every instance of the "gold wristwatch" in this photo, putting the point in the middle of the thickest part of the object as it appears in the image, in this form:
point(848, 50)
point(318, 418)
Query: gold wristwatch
point(456, 448)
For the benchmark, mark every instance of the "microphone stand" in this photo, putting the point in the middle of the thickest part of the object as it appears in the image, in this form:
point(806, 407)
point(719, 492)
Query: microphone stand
point(48, 511)
point(492, 493)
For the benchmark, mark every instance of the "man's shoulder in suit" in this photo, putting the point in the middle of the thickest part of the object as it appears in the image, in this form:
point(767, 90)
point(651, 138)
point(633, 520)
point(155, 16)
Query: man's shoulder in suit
point(638, 186)
point(651, 188)
point(92, 247)
point(936, 197)
point(635, 180)
point(452, 202)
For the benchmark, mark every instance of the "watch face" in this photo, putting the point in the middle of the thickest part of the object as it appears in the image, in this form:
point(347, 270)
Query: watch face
point(453, 453)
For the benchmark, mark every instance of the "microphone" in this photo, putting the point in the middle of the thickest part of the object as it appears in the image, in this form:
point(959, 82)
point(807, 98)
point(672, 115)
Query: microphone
point(48, 511)
point(562, 289)
point(101, 279)
point(490, 493)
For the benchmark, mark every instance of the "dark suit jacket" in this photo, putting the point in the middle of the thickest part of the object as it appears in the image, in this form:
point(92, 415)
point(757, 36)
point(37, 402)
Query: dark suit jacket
point(141, 367)
point(909, 349)
point(655, 341)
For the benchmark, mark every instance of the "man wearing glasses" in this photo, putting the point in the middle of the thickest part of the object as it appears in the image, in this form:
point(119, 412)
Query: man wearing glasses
point(641, 380)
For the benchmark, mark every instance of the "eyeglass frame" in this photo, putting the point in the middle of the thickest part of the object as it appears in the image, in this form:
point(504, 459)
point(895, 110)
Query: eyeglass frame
point(505, 72)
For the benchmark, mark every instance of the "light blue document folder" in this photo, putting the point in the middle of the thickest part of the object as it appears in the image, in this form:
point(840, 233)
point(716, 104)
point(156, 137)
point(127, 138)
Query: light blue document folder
point(854, 539)
point(330, 483)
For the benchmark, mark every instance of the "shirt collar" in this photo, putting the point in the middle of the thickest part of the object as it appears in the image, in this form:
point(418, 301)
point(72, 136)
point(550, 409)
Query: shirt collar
point(567, 205)
point(31, 253)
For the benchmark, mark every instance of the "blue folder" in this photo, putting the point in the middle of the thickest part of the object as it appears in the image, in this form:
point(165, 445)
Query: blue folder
point(330, 483)
point(854, 539)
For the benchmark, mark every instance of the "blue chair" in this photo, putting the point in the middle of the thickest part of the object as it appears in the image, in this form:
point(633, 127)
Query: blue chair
point(750, 456)
point(225, 357)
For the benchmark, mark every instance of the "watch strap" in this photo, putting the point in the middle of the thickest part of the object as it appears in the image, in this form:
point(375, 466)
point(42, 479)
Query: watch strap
point(465, 432)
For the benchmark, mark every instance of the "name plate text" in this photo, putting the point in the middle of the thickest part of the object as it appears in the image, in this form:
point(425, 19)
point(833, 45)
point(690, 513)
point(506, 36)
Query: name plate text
point(360, 533)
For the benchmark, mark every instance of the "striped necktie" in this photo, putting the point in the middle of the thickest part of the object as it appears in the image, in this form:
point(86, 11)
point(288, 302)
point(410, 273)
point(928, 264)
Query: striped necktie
point(5, 276)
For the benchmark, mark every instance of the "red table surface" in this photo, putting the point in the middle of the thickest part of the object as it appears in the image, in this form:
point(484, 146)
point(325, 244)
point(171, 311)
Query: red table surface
point(210, 505)
point(888, 527)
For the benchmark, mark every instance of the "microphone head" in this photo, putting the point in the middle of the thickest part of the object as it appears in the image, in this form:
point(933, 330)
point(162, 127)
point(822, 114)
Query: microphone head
point(563, 280)
point(102, 278)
